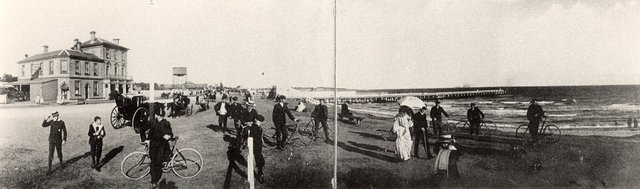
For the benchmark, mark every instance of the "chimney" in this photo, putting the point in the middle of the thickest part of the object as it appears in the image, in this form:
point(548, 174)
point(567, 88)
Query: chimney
point(116, 40)
point(46, 48)
point(93, 35)
point(76, 44)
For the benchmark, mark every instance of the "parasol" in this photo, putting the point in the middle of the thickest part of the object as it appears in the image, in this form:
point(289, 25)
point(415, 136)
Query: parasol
point(411, 101)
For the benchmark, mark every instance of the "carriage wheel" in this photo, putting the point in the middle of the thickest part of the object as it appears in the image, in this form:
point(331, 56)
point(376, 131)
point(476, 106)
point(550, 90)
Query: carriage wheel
point(140, 117)
point(117, 119)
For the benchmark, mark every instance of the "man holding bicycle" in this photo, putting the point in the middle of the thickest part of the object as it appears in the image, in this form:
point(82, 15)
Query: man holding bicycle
point(534, 115)
point(158, 141)
point(320, 116)
point(280, 111)
point(475, 117)
point(436, 116)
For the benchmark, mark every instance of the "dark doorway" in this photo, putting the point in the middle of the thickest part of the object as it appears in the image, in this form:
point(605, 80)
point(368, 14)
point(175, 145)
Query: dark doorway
point(86, 91)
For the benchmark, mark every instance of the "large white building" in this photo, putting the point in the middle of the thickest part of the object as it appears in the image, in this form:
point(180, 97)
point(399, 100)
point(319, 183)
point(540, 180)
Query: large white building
point(89, 70)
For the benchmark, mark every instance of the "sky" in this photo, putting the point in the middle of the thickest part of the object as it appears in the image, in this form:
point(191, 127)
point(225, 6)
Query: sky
point(380, 43)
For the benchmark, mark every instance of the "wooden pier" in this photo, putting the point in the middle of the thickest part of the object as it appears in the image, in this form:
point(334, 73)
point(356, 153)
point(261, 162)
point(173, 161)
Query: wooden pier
point(381, 98)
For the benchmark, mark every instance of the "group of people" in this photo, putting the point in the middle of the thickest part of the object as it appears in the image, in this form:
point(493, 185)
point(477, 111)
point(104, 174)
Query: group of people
point(408, 125)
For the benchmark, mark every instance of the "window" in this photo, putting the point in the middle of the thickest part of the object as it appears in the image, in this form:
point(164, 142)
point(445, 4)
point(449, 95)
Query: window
point(106, 53)
point(34, 68)
point(107, 69)
point(77, 67)
point(115, 55)
point(124, 56)
point(95, 69)
point(64, 67)
point(41, 68)
point(115, 71)
point(123, 71)
point(77, 87)
point(23, 70)
point(86, 68)
point(95, 88)
point(51, 67)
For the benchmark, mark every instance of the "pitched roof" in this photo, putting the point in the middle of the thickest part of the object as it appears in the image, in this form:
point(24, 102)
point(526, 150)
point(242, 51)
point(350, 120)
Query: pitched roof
point(63, 53)
point(100, 41)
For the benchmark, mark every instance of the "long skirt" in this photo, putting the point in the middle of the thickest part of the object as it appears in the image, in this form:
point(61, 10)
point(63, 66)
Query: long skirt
point(403, 146)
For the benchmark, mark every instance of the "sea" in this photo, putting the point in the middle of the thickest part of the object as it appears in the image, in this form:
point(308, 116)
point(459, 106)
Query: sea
point(565, 106)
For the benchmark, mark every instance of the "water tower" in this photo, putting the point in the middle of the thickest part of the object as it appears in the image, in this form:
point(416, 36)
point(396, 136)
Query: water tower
point(179, 75)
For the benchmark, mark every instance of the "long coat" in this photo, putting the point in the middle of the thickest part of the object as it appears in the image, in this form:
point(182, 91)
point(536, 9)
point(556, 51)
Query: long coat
point(280, 113)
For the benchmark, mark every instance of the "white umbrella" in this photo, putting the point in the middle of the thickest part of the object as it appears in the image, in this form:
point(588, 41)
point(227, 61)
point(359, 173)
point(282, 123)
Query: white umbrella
point(411, 101)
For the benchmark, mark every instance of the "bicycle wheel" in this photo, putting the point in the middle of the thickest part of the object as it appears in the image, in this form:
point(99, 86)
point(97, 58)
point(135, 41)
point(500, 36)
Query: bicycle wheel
point(136, 165)
point(187, 163)
point(551, 133)
point(449, 128)
point(269, 136)
point(490, 127)
point(462, 126)
point(522, 131)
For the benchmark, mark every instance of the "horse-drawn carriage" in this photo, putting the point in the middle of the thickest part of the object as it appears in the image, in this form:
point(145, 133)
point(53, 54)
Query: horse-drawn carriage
point(132, 111)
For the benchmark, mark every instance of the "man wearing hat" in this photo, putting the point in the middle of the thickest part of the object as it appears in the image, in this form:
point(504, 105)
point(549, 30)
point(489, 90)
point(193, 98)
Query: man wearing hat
point(320, 115)
point(280, 111)
point(446, 164)
point(420, 123)
point(436, 116)
point(158, 140)
point(222, 109)
point(534, 115)
point(255, 131)
point(249, 114)
point(236, 113)
point(474, 116)
point(57, 136)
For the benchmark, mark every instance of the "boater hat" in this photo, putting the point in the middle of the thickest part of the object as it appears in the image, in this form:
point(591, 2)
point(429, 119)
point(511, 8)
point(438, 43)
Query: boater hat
point(55, 113)
point(250, 104)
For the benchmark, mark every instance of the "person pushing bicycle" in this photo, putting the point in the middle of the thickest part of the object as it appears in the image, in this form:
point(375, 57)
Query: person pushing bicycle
point(534, 115)
point(158, 141)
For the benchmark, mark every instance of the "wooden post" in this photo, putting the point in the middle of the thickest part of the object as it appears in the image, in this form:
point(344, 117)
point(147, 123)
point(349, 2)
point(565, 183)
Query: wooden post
point(250, 163)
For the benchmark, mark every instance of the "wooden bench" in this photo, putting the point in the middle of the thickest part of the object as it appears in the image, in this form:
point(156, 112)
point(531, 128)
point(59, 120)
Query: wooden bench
point(351, 118)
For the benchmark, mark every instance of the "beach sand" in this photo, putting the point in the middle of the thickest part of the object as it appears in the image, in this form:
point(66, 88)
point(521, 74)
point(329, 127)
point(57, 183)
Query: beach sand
point(365, 159)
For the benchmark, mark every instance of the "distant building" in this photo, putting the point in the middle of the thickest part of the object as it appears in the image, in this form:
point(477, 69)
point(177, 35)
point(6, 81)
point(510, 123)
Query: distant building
point(89, 70)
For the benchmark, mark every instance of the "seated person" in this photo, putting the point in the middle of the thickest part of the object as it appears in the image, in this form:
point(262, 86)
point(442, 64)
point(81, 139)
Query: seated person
point(345, 109)
point(300, 107)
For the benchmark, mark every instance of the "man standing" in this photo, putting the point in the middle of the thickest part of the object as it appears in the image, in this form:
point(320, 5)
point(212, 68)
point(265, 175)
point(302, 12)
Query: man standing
point(255, 131)
point(280, 111)
point(236, 114)
point(57, 136)
point(249, 115)
point(436, 116)
point(158, 140)
point(96, 134)
point(420, 123)
point(475, 117)
point(222, 109)
point(534, 115)
point(320, 115)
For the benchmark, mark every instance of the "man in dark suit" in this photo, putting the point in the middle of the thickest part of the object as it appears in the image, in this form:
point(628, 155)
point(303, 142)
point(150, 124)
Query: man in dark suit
point(420, 123)
point(345, 109)
point(475, 117)
point(436, 116)
point(280, 111)
point(249, 115)
point(236, 114)
point(96, 134)
point(158, 141)
point(223, 110)
point(320, 115)
point(534, 115)
point(57, 136)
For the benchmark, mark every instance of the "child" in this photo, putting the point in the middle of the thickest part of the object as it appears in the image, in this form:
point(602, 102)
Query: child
point(96, 134)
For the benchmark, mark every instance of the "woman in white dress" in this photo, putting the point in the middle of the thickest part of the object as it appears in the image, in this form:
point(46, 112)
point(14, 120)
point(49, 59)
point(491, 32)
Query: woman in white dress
point(401, 125)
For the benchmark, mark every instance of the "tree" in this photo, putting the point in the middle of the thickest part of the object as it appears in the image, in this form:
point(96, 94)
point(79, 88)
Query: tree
point(8, 78)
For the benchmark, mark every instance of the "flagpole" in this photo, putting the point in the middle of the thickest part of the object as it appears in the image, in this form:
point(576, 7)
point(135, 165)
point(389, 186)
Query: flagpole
point(335, 95)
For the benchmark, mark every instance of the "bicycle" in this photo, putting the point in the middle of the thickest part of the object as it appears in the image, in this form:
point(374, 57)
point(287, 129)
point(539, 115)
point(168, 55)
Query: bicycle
point(486, 127)
point(548, 132)
point(185, 163)
point(311, 134)
point(446, 126)
point(270, 137)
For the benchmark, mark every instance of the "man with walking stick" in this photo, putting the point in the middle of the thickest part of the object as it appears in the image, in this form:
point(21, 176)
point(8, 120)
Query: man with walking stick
point(420, 123)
